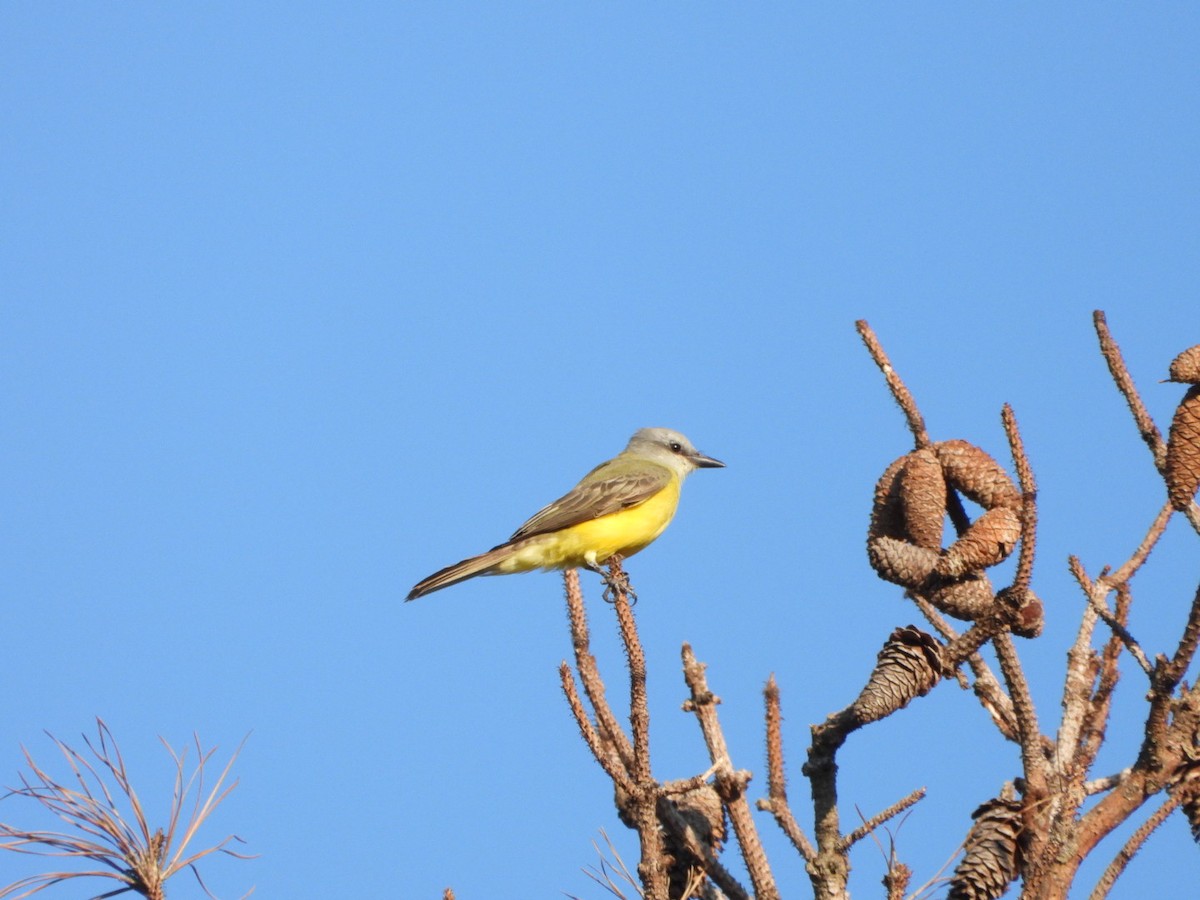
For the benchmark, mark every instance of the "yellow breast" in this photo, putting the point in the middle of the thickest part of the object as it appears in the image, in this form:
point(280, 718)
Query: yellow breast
point(625, 533)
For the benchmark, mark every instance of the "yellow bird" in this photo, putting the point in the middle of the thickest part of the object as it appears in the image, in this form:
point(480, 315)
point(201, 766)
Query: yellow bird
point(617, 509)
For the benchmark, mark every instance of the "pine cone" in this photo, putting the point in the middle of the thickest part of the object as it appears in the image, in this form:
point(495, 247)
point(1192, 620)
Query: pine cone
point(922, 492)
point(989, 540)
point(887, 515)
point(990, 863)
point(972, 471)
point(1028, 614)
point(908, 666)
point(1186, 366)
point(967, 598)
point(1189, 786)
point(1183, 451)
point(900, 562)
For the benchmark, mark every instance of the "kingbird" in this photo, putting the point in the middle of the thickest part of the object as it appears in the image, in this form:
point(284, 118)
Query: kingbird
point(617, 509)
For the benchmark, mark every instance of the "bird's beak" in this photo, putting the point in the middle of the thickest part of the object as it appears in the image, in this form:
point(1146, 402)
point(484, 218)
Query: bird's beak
point(700, 461)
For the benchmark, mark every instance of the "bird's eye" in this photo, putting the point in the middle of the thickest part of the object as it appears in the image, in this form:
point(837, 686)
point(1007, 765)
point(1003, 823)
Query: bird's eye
point(676, 447)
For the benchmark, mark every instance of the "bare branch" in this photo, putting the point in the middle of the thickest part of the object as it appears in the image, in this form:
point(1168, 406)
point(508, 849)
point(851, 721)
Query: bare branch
point(639, 709)
point(1029, 500)
point(1096, 713)
point(602, 750)
point(777, 804)
point(134, 854)
point(1124, 382)
point(1118, 629)
point(908, 405)
point(1033, 759)
point(589, 672)
point(875, 821)
point(1131, 847)
point(1107, 783)
point(1156, 530)
point(730, 785)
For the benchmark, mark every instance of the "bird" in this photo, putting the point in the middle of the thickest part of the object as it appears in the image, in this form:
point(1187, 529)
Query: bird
point(617, 509)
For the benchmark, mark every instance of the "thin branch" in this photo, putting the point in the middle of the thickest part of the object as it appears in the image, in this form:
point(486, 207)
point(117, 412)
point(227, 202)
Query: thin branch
point(1033, 759)
point(730, 785)
point(1029, 497)
point(589, 672)
point(1124, 382)
point(987, 686)
point(644, 798)
point(639, 708)
point(1096, 714)
point(935, 618)
point(1107, 783)
point(904, 398)
point(1132, 846)
point(1157, 528)
point(1082, 666)
point(777, 802)
point(602, 750)
point(1118, 629)
point(134, 854)
point(875, 821)
point(993, 698)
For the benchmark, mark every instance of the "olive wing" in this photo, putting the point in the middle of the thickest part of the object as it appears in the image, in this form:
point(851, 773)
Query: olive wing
point(608, 488)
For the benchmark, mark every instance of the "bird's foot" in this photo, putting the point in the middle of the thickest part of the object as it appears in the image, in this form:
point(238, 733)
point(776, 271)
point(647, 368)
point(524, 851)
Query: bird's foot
point(616, 581)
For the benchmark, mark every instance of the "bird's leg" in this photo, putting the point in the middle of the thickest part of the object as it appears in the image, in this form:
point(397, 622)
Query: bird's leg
point(592, 566)
point(617, 582)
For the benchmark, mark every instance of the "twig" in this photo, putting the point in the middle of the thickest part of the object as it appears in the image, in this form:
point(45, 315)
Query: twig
point(589, 672)
point(1023, 708)
point(644, 798)
point(1124, 382)
point(1163, 680)
point(1107, 783)
point(935, 618)
point(777, 802)
point(630, 771)
point(1029, 500)
point(966, 644)
point(134, 854)
point(639, 709)
point(875, 821)
point(961, 647)
point(1132, 846)
point(1120, 632)
point(602, 876)
point(1156, 530)
point(1096, 713)
point(908, 406)
point(993, 698)
point(730, 785)
point(602, 750)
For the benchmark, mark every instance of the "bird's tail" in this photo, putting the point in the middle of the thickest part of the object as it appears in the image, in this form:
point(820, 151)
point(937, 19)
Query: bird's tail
point(483, 564)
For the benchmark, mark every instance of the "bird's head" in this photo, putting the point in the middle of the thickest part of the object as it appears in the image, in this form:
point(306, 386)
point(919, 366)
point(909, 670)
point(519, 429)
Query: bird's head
point(670, 448)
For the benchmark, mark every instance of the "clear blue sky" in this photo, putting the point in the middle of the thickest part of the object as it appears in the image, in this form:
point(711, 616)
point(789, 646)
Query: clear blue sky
point(304, 301)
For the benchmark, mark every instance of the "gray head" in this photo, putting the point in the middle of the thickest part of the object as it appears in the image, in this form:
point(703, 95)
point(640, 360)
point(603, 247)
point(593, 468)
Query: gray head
point(669, 448)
